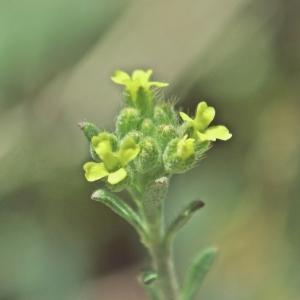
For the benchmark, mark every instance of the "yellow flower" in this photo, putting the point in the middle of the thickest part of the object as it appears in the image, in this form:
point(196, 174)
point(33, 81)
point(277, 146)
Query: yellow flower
point(113, 162)
point(200, 124)
point(138, 79)
point(185, 147)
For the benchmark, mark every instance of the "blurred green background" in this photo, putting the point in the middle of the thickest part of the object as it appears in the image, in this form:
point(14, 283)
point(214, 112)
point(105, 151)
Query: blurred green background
point(56, 57)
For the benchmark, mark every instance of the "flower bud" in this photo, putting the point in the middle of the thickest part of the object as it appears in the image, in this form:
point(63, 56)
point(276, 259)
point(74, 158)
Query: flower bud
point(135, 135)
point(148, 127)
point(165, 114)
point(149, 156)
point(128, 120)
point(89, 129)
point(165, 134)
point(179, 155)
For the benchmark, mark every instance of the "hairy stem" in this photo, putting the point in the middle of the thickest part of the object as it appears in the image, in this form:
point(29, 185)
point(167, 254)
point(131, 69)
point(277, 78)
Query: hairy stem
point(160, 252)
point(164, 265)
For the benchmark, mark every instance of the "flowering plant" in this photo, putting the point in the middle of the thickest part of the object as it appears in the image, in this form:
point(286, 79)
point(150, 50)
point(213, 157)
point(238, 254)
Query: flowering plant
point(151, 143)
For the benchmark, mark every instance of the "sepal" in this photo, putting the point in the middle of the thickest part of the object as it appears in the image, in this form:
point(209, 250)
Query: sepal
point(89, 129)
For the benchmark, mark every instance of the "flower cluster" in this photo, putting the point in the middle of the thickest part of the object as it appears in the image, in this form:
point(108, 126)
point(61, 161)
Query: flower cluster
point(151, 139)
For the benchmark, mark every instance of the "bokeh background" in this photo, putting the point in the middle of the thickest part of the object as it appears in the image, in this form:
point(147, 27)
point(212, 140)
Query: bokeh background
point(56, 57)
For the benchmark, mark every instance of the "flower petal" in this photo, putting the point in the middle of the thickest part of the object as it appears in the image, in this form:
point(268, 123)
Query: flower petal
point(102, 145)
point(94, 171)
point(185, 147)
point(128, 151)
point(158, 84)
point(185, 117)
point(215, 132)
point(120, 77)
point(117, 176)
point(142, 76)
point(204, 115)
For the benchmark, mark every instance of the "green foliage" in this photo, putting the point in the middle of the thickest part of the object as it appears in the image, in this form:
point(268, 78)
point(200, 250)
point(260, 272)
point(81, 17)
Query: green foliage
point(148, 277)
point(182, 219)
point(119, 206)
point(149, 145)
point(197, 272)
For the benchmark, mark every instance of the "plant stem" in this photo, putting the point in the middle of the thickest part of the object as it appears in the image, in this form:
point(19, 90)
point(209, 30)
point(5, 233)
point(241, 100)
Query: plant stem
point(161, 252)
point(163, 263)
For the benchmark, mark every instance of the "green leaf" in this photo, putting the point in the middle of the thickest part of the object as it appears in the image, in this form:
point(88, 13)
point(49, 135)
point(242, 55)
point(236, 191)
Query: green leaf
point(148, 277)
point(182, 219)
point(121, 208)
point(196, 273)
point(89, 129)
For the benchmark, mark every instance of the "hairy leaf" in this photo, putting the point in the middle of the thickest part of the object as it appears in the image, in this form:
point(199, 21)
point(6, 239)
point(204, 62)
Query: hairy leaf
point(120, 207)
point(196, 273)
point(182, 219)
